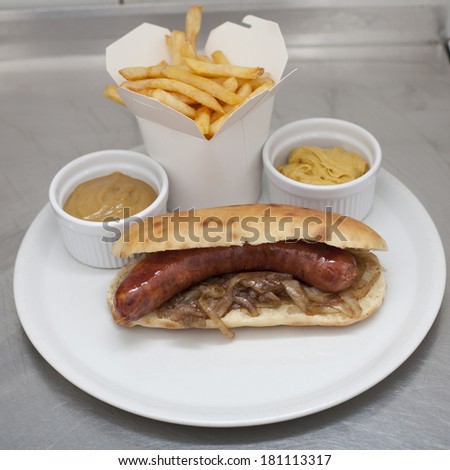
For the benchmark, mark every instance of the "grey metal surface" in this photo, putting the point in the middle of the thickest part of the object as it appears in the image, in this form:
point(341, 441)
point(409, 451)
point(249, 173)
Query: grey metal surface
point(52, 110)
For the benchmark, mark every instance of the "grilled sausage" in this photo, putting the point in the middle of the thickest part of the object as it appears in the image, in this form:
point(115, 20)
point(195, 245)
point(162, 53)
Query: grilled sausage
point(161, 275)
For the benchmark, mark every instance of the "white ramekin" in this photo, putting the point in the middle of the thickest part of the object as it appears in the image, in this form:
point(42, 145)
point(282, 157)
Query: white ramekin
point(354, 198)
point(90, 242)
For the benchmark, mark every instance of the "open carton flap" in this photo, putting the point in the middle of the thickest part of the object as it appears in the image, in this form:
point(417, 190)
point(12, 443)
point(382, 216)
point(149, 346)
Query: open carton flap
point(261, 44)
point(251, 104)
point(143, 46)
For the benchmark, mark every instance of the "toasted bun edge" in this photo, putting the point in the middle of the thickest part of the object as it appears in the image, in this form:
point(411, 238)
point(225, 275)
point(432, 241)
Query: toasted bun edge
point(246, 223)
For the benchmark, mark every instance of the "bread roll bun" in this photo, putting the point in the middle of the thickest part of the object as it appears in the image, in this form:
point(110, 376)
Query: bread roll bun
point(247, 223)
point(254, 224)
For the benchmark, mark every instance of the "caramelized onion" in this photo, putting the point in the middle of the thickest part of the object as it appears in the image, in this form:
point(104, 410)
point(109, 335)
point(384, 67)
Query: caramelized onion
point(316, 295)
point(352, 303)
point(215, 297)
point(216, 318)
point(295, 292)
point(269, 299)
point(184, 310)
point(247, 304)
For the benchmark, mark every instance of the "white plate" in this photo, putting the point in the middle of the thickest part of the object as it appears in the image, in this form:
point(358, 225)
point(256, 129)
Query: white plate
point(202, 378)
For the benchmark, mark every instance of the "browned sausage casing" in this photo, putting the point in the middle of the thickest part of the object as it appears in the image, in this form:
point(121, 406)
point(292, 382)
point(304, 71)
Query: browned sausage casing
point(159, 276)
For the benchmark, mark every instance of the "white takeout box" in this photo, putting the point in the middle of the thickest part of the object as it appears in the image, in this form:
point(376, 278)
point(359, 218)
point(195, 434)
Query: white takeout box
point(226, 169)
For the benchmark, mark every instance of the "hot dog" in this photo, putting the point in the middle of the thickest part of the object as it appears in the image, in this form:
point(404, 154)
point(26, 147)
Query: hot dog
point(159, 276)
point(294, 274)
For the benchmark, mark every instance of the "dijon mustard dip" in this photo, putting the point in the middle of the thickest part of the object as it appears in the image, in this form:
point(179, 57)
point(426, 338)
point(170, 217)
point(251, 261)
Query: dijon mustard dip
point(112, 196)
point(324, 166)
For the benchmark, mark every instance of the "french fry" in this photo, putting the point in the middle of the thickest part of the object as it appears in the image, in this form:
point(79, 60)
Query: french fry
point(215, 115)
point(244, 90)
point(222, 70)
point(230, 84)
point(174, 103)
point(218, 123)
point(218, 80)
point(135, 73)
point(183, 98)
point(219, 57)
point(136, 85)
point(110, 92)
point(258, 82)
point(193, 24)
point(187, 50)
point(204, 58)
point(139, 73)
point(205, 84)
point(145, 91)
point(177, 40)
point(199, 96)
point(260, 89)
point(203, 119)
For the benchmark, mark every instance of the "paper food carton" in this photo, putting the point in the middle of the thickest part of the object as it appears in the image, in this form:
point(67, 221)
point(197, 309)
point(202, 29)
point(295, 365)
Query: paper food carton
point(226, 169)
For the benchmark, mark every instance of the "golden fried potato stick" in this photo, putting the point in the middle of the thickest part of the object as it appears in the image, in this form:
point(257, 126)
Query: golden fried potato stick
point(205, 84)
point(177, 40)
point(193, 24)
point(257, 82)
point(219, 57)
point(135, 85)
point(187, 50)
point(218, 80)
point(260, 89)
point(204, 58)
point(173, 102)
point(244, 90)
point(222, 70)
point(219, 122)
point(139, 73)
point(169, 84)
point(183, 98)
point(230, 84)
point(178, 96)
point(203, 119)
point(110, 92)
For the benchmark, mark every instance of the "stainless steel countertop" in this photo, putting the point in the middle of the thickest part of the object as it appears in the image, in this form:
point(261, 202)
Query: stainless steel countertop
point(386, 70)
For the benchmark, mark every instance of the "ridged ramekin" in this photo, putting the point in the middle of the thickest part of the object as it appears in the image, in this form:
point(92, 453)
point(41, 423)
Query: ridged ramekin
point(354, 198)
point(91, 242)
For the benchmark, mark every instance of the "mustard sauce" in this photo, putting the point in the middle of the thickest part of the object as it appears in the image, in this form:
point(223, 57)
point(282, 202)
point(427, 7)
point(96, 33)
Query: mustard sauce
point(112, 196)
point(324, 166)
